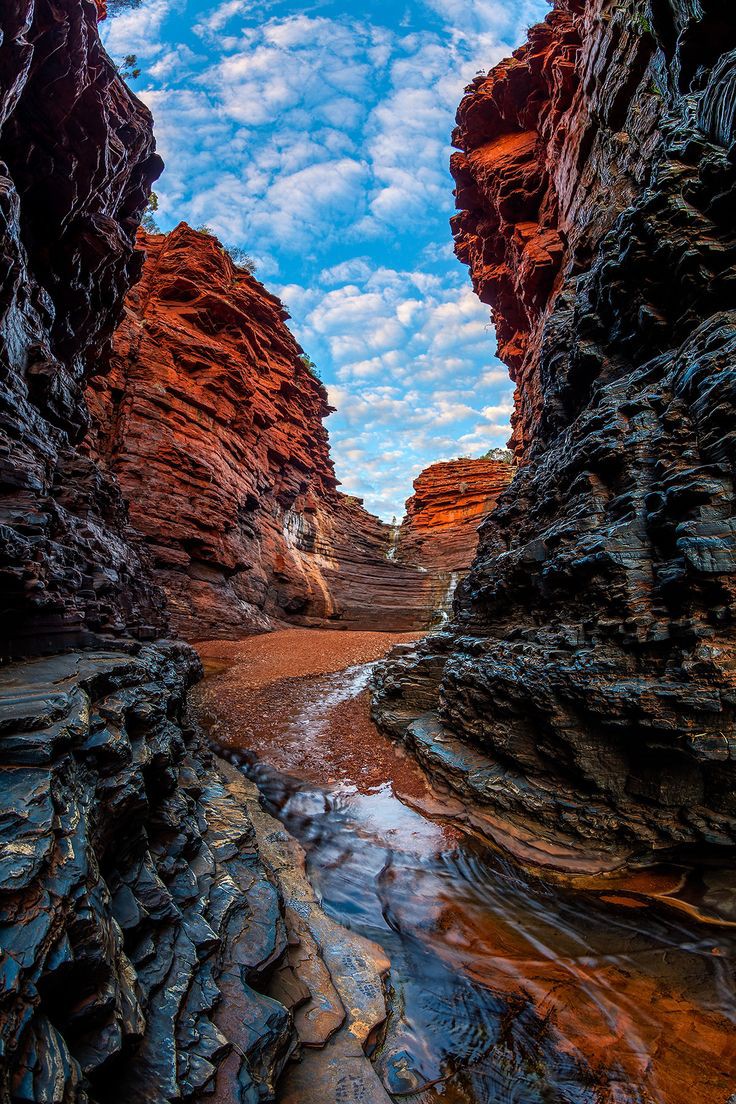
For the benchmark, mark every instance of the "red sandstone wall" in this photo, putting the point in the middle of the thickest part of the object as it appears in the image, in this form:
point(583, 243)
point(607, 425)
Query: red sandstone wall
point(450, 501)
point(214, 427)
point(540, 178)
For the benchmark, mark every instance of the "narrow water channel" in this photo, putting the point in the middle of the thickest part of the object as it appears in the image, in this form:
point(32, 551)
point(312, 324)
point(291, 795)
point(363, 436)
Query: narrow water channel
point(504, 986)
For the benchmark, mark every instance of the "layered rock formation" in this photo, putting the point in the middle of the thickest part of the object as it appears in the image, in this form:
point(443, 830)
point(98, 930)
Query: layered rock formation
point(157, 926)
point(133, 897)
point(450, 500)
point(78, 159)
point(212, 421)
point(141, 918)
point(584, 696)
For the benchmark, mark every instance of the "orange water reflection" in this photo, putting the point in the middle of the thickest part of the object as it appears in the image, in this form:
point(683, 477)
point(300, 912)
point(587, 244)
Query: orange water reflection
point(513, 987)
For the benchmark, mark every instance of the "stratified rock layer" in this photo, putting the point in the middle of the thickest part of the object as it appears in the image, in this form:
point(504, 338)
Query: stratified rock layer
point(76, 164)
point(147, 901)
point(131, 887)
point(591, 665)
point(450, 500)
point(212, 422)
point(141, 919)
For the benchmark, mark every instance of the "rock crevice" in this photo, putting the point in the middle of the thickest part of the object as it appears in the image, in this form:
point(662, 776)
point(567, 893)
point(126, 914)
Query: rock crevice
point(212, 421)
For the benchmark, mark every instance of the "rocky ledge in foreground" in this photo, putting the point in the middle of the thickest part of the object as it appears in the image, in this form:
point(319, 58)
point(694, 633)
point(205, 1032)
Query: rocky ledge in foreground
point(160, 939)
point(585, 692)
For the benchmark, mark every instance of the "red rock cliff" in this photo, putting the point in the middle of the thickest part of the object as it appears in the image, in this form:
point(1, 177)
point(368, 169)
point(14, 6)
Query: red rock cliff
point(554, 143)
point(450, 500)
point(213, 424)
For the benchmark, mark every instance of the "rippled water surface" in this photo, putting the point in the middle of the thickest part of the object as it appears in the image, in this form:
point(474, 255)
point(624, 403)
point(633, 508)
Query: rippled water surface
point(504, 987)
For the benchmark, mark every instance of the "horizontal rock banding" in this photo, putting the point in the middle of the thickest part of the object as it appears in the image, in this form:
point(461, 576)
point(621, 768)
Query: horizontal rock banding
point(450, 500)
point(591, 661)
point(212, 421)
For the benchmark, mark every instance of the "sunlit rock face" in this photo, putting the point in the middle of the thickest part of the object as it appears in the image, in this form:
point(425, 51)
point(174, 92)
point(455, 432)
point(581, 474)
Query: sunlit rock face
point(213, 423)
point(591, 661)
point(76, 163)
point(450, 500)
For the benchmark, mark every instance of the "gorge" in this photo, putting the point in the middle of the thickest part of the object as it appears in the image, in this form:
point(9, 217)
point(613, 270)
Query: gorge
point(496, 863)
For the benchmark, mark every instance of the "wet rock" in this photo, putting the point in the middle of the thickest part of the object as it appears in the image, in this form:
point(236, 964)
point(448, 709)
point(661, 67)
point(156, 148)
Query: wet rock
point(76, 164)
point(134, 899)
point(591, 660)
point(342, 969)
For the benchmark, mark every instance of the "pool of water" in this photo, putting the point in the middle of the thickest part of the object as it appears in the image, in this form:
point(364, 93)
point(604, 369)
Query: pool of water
point(504, 986)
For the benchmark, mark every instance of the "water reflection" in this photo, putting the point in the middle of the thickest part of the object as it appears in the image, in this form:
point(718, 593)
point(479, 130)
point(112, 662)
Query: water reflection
point(505, 987)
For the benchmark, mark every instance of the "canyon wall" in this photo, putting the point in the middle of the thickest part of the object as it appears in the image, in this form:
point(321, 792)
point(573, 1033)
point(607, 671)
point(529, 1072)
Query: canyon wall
point(583, 698)
point(134, 900)
point(450, 500)
point(141, 918)
point(76, 164)
point(212, 421)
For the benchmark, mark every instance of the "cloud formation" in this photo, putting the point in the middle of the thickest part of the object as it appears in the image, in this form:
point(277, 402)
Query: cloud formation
point(318, 139)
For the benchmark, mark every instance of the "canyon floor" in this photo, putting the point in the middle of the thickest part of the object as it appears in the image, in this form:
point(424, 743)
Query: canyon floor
point(504, 984)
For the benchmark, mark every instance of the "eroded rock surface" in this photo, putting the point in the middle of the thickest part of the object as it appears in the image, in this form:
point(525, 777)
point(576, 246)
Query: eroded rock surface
point(140, 920)
point(450, 500)
point(213, 423)
point(76, 164)
point(146, 900)
point(591, 661)
point(131, 887)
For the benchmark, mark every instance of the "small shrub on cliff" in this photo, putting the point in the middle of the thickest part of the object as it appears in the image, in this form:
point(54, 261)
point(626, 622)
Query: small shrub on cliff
point(310, 366)
point(240, 258)
point(503, 455)
point(148, 222)
point(115, 7)
point(129, 68)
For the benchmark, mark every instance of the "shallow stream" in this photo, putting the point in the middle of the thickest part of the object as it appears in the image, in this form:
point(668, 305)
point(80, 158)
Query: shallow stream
point(504, 986)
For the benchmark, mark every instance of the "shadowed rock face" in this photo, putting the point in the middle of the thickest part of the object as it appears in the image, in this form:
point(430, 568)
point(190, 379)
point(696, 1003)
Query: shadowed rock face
point(590, 667)
point(140, 917)
point(134, 897)
point(157, 925)
point(76, 163)
point(213, 424)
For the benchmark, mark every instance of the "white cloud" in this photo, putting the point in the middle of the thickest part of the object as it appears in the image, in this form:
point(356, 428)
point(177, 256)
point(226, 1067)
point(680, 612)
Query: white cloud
point(321, 145)
point(138, 30)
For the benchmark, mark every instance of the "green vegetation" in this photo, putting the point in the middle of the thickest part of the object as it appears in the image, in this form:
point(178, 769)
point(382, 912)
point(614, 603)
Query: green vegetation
point(310, 366)
point(148, 222)
point(643, 23)
point(504, 455)
point(240, 258)
point(128, 68)
point(115, 7)
point(638, 18)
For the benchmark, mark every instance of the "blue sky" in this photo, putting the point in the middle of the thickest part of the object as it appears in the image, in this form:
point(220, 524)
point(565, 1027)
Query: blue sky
point(317, 137)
